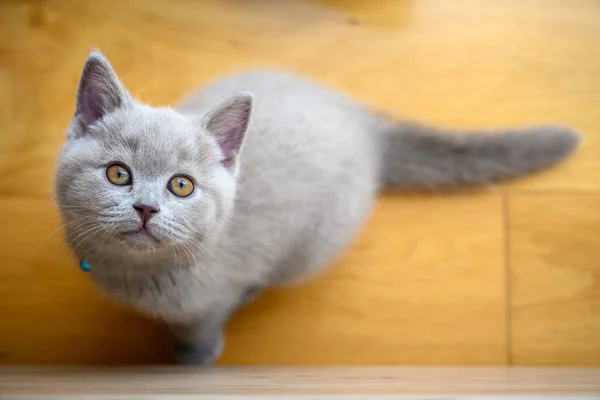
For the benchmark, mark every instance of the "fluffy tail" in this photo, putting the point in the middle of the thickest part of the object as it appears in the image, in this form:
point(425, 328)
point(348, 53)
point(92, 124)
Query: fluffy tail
point(418, 156)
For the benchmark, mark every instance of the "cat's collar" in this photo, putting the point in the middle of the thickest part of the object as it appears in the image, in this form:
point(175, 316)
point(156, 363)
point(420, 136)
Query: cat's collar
point(85, 267)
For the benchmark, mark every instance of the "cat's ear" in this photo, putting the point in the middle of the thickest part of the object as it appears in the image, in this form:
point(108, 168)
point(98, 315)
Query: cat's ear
point(100, 91)
point(228, 124)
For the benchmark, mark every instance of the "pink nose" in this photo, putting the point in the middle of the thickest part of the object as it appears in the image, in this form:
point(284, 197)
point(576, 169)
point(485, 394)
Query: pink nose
point(145, 212)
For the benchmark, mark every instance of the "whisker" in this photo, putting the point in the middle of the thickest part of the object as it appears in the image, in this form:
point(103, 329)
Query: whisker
point(50, 216)
point(176, 250)
point(104, 239)
point(60, 228)
point(92, 232)
point(191, 252)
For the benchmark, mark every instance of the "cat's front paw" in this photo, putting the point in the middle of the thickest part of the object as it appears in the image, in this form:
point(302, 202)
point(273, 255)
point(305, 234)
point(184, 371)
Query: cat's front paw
point(198, 352)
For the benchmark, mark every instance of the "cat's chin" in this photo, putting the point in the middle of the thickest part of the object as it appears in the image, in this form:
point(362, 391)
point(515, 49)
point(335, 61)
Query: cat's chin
point(140, 240)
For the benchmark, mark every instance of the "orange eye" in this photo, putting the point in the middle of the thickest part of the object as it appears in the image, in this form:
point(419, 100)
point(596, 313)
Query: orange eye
point(118, 175)
point(181, 186)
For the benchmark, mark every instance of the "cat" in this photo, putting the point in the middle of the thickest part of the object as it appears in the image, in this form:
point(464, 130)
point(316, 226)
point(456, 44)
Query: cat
point(259, 179)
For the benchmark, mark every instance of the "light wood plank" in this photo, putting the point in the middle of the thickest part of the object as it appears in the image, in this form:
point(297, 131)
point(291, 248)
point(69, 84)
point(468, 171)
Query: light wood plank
point(555, 274)
point(295, 382)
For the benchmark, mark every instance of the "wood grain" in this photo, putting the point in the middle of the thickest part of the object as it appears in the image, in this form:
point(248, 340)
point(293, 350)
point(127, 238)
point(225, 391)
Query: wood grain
point(425, 283)
point(555, 248)
point(298, 382)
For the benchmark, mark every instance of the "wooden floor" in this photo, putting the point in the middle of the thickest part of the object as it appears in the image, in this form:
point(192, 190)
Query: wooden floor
point(506, 275)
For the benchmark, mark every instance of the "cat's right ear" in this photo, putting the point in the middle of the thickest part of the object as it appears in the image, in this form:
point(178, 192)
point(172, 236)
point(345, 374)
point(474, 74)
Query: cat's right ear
point(100, 91)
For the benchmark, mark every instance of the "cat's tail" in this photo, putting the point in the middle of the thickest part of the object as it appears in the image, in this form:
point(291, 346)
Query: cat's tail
point(420, 156)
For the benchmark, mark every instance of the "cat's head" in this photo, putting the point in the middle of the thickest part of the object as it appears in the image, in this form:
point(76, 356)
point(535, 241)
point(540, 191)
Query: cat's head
point(145, 178)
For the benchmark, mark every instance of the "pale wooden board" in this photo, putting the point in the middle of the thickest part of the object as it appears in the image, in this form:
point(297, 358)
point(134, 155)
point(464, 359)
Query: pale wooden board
point(294, 382)
point(299, 397)
point(555, 274)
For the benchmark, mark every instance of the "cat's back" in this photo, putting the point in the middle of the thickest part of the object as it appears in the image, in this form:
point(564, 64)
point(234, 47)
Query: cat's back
point(283, 100)
point(294, 118)
point(274, 90)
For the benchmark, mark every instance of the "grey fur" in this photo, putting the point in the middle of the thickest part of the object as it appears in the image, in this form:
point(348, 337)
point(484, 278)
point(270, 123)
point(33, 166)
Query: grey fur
point(417, 155)
point(289, 198)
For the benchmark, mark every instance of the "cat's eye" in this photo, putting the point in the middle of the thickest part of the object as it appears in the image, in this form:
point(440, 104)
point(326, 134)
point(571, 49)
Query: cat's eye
point(118, 175)
point(181, 186)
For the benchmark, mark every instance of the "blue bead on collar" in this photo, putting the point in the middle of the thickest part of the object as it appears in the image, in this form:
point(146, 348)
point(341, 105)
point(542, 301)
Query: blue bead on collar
point(83, 264)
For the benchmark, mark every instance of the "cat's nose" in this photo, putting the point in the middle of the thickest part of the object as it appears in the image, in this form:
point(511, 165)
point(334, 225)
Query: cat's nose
point(145, 211)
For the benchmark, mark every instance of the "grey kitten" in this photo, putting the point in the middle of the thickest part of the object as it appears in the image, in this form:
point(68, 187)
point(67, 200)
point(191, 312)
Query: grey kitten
point(187, 214)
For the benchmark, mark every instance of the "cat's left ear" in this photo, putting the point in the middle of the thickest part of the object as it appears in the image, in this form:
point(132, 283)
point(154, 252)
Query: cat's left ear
point(228, 124)
point(100, 91)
